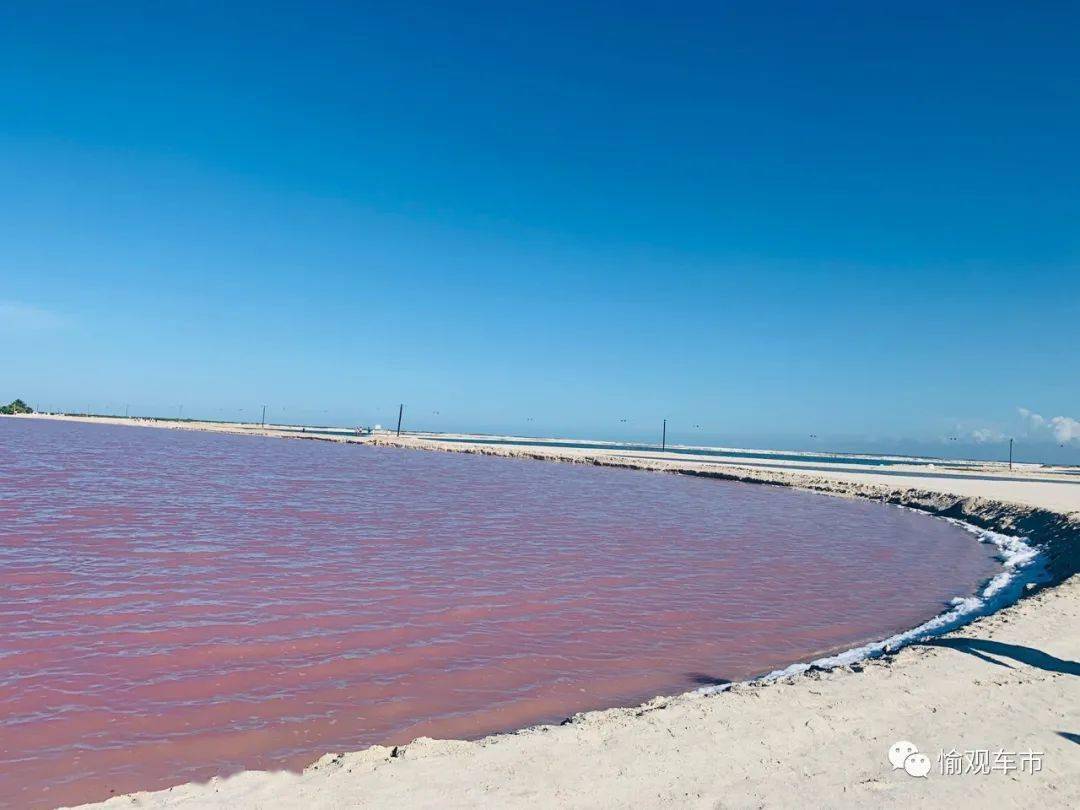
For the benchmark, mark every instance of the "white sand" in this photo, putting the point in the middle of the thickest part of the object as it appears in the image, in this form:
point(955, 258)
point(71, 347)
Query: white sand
point(814, 740)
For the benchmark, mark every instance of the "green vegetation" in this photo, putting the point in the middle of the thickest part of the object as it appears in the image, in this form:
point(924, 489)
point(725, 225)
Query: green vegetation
point(18, 406)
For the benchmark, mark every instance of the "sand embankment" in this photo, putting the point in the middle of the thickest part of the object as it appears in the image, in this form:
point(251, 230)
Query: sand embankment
point(1007, 684)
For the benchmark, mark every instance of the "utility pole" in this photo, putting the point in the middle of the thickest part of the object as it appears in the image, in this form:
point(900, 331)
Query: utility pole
point(264, 416)
point(180, 412)
point(127, 409)
point(663, 436)
point(1010, 453)
point(400, 413)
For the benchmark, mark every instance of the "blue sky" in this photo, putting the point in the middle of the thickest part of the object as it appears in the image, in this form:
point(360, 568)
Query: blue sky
point(763, 221)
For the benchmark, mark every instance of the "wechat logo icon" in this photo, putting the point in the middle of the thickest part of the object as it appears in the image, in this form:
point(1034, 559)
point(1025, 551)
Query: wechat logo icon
point(905, 755)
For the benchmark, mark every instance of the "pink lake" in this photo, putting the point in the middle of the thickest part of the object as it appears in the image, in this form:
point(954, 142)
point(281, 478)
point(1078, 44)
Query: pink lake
point(176, 605)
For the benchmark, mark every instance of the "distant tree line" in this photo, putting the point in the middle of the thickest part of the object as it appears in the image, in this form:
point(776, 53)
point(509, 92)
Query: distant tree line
point(18, 406)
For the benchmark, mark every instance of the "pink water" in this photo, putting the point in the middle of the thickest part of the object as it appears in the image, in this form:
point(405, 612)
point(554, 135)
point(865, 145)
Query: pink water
point(176, 605)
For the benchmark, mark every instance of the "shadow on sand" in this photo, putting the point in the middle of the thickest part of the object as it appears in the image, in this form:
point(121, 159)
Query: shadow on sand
point(701, 679)
point(984, 649)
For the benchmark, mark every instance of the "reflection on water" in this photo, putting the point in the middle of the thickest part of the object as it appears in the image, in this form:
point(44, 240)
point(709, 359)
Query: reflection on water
point(179, 604)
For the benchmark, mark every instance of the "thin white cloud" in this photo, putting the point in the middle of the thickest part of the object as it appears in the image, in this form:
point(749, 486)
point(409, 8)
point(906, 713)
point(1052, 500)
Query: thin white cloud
point(17, 316)
point(987, 436)
point(1064, 429)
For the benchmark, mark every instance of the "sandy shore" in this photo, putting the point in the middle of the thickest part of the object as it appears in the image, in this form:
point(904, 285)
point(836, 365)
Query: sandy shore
point(1006, 684)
